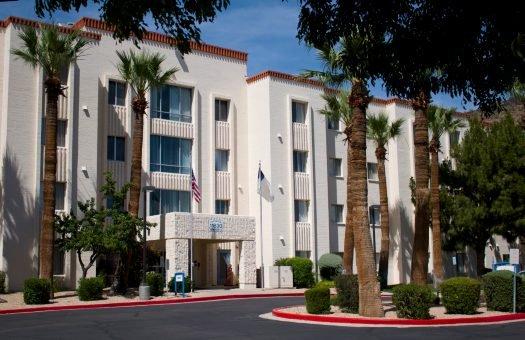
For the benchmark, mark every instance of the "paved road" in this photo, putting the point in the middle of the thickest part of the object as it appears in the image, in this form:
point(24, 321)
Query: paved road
point(238, 319)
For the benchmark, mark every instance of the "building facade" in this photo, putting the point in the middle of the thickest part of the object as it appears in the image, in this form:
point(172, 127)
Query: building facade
point(214, 120)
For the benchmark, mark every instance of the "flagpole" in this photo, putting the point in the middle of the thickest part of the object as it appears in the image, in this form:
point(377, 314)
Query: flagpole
point(191, 234)
point(260, 225)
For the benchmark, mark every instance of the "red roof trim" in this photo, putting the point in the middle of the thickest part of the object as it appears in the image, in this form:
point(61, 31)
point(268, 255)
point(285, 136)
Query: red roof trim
point(165, 39)
point(37, 24)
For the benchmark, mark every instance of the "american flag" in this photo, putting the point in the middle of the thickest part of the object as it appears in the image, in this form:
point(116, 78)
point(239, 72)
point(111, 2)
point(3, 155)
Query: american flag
point(195, 188)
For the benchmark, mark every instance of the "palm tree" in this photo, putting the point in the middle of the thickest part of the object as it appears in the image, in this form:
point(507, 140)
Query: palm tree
point(440, 120)
point(380, 130)
point(339, 71)
point(141, 71)
point(53, 52)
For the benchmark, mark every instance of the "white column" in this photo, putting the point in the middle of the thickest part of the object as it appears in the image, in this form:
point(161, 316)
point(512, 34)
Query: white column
point(247, 265)
point(177, 257)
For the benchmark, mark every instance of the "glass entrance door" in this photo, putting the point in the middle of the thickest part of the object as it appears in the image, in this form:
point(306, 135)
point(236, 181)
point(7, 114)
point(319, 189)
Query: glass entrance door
point(223, 261)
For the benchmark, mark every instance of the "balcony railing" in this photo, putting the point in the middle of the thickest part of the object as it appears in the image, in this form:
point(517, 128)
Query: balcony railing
point(171, 128)
point(171, 181)
point(117, 120)
point(222, 135)
point(222, 185)
point(300, 136)
point(301, 186)
point(61, 164)
point(302, 236)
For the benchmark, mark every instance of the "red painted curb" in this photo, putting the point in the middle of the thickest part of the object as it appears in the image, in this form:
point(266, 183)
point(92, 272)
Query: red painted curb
point(278, 312)
point(144, 303)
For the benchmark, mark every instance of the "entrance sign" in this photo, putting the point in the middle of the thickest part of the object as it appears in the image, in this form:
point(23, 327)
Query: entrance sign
point(178, 279)
point(215, 225)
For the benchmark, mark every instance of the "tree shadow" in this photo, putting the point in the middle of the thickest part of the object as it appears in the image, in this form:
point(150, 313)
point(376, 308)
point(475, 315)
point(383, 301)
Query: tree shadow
point(404, 242)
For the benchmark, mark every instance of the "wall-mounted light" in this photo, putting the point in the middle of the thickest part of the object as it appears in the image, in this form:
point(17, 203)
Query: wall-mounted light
point(240, 188)
point(280, 138)
point(86, 110)
point(84, 171)
point(281, 189)
point(281, 238)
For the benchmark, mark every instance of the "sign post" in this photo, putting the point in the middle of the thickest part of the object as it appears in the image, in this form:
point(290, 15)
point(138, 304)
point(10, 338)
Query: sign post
point(514, 259)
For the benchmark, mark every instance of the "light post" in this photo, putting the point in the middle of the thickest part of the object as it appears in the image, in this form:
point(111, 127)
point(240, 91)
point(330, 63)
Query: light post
point(144, 289)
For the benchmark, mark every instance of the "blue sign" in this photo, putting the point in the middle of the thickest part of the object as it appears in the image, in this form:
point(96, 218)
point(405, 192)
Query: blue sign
point(178, 279)
point(215, 225)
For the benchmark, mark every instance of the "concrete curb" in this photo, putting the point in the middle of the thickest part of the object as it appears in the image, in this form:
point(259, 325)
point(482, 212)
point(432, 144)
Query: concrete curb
point(381, 322)
point(50, 308)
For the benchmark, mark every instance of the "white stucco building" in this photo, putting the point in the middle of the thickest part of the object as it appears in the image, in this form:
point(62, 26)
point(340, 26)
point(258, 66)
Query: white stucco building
point(213, 118)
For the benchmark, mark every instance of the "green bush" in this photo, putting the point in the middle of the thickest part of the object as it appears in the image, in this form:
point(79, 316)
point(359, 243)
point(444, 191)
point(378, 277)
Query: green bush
point(90, 289)
point(3, 288)
point(317, 300)
point(412, 301)
point(497, 287)
point(325, 284)
point(301, 269)
point(37, 291)
point(347, 287)
point(187, 287)
point(330, 265)
point(156, 283)
point(460, 295)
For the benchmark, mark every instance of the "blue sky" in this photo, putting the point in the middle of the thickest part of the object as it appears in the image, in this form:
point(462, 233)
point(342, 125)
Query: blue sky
point(266, 29)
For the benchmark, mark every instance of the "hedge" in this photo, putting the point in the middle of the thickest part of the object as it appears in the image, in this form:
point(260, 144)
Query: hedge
point(325, 284)
point(37, 291)
point(156, 283)
point(497, 288)
point(171, 287)
point(301, 269)
point(317, 300)
point(412, 301)
point(3, 288)
point(330, 265)
point(460, 295)
point(90, 289)
point(347, 287)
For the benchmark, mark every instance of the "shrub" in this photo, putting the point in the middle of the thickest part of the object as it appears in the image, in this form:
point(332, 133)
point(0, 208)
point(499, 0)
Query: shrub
point(3, 288)
point(171, 287)
point(317, 300)
point(90, 289)
point(37, 291)
point(156, 283)
point(330, 265)
point(461, 295)
point(301, 269)
point(413, 301)
point(325, 284)
point(347, 287)
point(497, 287)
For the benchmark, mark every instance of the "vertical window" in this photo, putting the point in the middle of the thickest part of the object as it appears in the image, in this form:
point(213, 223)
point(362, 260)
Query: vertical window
point(372, 171)
point(337, 213)
point(60, 195)
point(301, 211)
point(61, 132)
point(298, 112)
point(221, 110)
point(221, 160)
point(222, 207)
point(333, 124)
point(116, 148)
point(58, 261)
point(170, 154)
point(299, 161)
point(374, 215)
point(172, 103)
point(166, 201)
point(116, 93)
point(453, 139)
point(335, 167)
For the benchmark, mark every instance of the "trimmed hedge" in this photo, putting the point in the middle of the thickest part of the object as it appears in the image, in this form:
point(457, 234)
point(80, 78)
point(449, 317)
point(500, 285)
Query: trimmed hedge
point(497, 287)
point(317, 300)
point(325, 284)
point(413, 301)
point(301, 269)
point(347, 287)
point(37, 291)
point(90, 289)
point(460, 295)
point(3, 288)
point(156, 283)
point(330, 265)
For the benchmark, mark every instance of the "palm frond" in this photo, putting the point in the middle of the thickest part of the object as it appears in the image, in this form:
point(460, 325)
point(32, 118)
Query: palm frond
point(441, 120)
point(337, 107)
point(380, 130)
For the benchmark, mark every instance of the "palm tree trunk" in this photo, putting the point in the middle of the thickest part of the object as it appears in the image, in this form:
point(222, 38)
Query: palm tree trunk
point(385, 224)
point(348, 254)
point(421, 228)
point(369, 290)
point(139, 108)
point(439, 274)
point(53, 89)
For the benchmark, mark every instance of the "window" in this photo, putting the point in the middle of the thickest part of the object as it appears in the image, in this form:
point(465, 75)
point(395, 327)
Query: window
point(116, 93)
point(302, 253)
point(299, 161)
point(172, 103)
point(337, 213)
point(298, 112)
point(170, 154)
point(335, 167)
point(110, 204)
point(166, 201)
point(372, 171)
point(301, 211)
point(60, 195)
point(221, 160)
point(61, 132)
point(116, 148)
point(333, 124)
point(58, 261)
point(222, 207)
point(221, 110)
point(454, 139)
point(374, 215)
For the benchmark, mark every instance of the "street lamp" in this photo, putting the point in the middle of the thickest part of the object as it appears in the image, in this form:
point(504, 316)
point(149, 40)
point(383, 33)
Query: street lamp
point(144, 289)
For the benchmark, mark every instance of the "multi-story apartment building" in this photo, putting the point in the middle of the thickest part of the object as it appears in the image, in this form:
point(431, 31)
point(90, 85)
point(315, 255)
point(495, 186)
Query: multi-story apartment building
point(210, 118)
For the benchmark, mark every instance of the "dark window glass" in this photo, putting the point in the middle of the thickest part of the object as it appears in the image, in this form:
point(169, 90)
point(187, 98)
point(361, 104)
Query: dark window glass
point(171, 103)
point(116, 148)
point(222, 207)
point(170, 154)
point(299, 161)
point(221, 110)
point(298, 112)
point(166, 201)
point(116, 93)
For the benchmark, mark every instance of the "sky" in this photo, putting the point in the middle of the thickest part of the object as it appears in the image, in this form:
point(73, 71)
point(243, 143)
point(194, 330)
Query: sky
point(266, 29)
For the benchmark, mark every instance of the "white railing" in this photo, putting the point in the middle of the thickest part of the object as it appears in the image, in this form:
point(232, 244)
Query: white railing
point(117, 120)
point(222, 135)
point(166, 180)
point(62, 107)
point(222, 185)
point(302, 236)
point(300, 136)
point(119, 170)
point(171, 128)
point(301, 186)
point(61, 171)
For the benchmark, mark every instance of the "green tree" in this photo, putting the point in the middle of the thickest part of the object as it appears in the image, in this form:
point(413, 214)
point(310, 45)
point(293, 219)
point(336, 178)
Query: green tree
point(380, 130)
point(178, 19)
point(52, 52)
